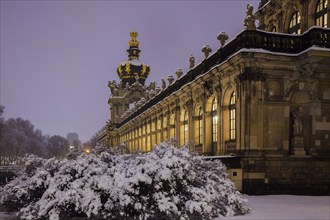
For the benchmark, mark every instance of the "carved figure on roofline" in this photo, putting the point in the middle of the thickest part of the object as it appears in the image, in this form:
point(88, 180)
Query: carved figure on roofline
point(113, 87)
point(191, 61)
point(163, 84)
point(152, 86)
point(249, 21)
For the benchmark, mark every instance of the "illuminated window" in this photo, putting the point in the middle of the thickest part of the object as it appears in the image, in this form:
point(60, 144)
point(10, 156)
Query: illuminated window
point(172, 125)
point(199, 134)
point(140, 138)
point(232, 116)
point(153, 126)
point(164, 128)
point(144, 137)
point(159, 127)
point(185, 128)
point(294, 26)
point(321, 16)
point(148, 133)
point(143, 129)
point(214, 121)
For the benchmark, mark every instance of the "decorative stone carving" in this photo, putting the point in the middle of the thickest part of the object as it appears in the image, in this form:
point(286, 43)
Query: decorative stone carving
point(306, 69)
point(157, 89)
point(191, 61)
point(206, 50)
point(208, 88)
point(297, 122)
point(305, 81)
point(249, 21)
point(178, 73)
point(170, 79)
point(297, 140)
point(222, 37)
point(113, 87)
point(198, 95)
point(163, 84)
point(138, 104)
point(152, 86)
point(152, 94)
point(188, 104)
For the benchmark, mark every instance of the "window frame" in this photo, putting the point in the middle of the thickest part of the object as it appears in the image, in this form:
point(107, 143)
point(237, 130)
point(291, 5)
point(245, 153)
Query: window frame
point(295, 23)
point(321, 13)
point(185, 127)
point(214, 120)
point(232, 116)
point(200, 126)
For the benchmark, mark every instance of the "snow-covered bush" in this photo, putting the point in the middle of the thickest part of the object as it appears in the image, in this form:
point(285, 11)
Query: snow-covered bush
point(166, 183)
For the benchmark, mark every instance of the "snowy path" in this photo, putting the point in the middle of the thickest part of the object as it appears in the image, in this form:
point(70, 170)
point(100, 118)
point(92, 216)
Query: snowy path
point(286, 207)
point(277, 207)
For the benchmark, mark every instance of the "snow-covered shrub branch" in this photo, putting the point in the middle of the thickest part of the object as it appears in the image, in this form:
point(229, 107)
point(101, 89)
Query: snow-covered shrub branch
point(168, 182)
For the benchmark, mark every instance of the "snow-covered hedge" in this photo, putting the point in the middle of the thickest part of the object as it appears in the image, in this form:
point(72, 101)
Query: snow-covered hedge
point(166, 183)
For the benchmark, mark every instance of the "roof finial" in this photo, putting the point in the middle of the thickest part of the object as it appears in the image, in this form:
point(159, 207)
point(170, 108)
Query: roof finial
point(133, 42)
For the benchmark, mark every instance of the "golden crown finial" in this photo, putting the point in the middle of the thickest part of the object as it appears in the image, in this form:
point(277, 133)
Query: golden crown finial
point(133, 42)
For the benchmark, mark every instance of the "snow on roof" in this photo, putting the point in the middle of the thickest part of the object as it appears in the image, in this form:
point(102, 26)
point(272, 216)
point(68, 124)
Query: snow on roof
point(134, 62)
point(254, 50)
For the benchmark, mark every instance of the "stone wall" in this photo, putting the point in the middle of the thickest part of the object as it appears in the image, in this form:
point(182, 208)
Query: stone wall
point(286, 175)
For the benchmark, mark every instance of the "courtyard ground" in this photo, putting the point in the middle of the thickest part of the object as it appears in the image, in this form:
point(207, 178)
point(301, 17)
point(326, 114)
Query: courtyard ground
point(286, 207)
point(275, 207)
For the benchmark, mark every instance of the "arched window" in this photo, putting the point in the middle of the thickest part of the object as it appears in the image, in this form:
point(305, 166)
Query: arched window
point(159, 133)
point(321, 16)
point(214, 122)
point(164, 128)
point(199, 127)
point(185, 128)
point(294, 26)
point(148, 133)
point(232, 116)
point(172, 125)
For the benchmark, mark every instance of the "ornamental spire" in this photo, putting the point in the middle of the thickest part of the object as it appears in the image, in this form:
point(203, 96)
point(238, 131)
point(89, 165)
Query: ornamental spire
point(133, 70)
point(133, 42)
point(133, 51)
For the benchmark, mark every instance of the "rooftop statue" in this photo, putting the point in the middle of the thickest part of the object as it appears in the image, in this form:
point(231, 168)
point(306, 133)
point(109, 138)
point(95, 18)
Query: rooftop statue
point(249, 21)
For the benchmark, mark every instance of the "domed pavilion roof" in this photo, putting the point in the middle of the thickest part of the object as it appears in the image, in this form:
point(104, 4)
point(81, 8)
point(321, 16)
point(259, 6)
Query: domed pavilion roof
point(133, 69)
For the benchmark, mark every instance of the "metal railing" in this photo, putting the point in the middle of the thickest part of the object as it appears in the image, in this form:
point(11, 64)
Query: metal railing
point(9, 168)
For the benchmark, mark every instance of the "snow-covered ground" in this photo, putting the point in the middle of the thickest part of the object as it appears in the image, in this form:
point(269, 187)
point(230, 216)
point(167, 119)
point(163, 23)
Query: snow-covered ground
point(276, 207)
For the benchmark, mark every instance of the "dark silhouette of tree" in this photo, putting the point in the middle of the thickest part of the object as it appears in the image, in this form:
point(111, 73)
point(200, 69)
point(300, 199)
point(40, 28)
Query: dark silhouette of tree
point(91, 143)
point(19, 137)
point(57, 147)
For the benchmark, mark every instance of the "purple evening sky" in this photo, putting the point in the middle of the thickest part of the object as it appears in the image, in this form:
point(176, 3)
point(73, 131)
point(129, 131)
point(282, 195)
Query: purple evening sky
point(58, 56)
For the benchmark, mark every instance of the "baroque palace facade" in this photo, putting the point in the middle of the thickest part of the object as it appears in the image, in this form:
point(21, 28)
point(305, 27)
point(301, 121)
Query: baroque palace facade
point(263, 98)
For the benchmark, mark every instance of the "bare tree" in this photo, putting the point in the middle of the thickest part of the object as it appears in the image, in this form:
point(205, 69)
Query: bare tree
point(57, 147)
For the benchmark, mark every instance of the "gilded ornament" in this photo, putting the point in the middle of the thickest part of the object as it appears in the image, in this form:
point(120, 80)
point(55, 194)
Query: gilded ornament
point(133, 42)
point(128, 68)
point(120, 71)
point(144, 69)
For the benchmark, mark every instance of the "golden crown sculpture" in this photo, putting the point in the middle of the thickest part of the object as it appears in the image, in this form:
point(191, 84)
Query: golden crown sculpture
point(133, 42)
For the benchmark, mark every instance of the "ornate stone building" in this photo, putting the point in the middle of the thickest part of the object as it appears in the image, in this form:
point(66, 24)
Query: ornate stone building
point(263, 98)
